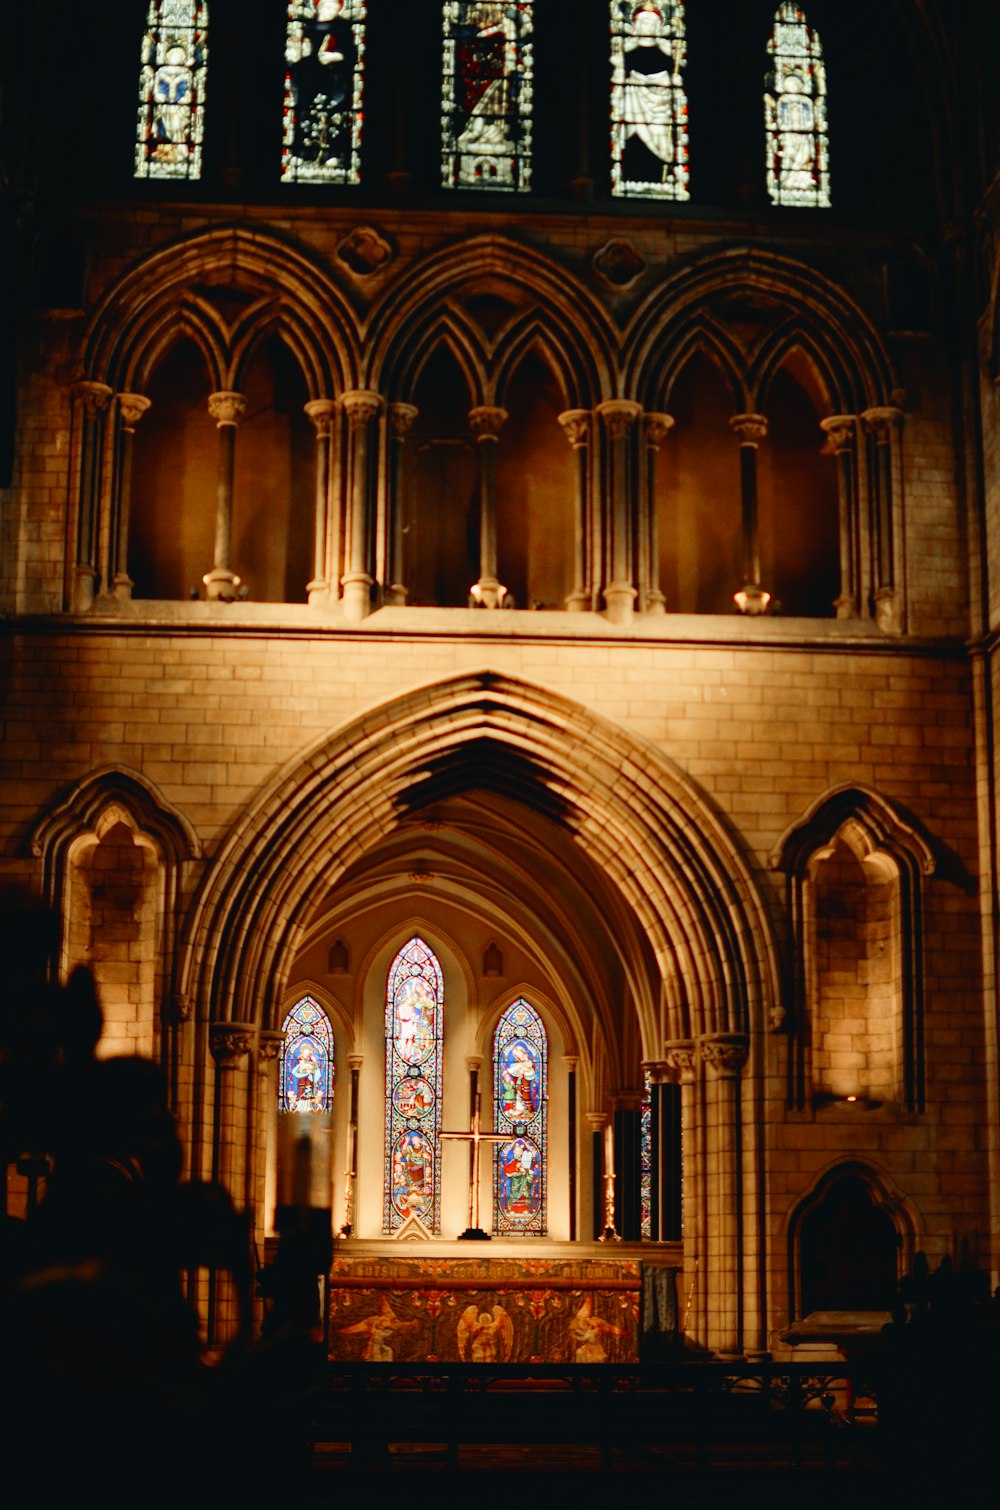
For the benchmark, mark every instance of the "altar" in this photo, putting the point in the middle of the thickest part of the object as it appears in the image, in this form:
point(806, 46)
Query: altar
point(572, 1303)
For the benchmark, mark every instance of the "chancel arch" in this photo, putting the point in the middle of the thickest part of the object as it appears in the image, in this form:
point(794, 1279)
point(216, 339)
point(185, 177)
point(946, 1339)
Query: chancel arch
point(608, 868)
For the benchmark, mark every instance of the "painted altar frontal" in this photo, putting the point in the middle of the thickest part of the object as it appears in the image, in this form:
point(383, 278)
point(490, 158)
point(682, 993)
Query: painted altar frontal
point(517, 1309)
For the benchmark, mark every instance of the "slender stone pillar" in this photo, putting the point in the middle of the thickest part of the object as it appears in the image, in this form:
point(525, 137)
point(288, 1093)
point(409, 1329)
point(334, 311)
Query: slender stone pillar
point(322, 412)
point(91, 401)
point(263, 1180)
point(750, 430)
point(725, 1055)
point(230, 1043)
point(362, 408)
point(842, 430)
point(576, 425)
point(572, 1063)
point(401, 417)
point(655, 429)
point(227, 409)
point(619, 415)
point(355, 1061)
point(595, 1121)
point(628, 1201)
point(131, 407)
point(882, 426)
point(486, 423)
point(681, 1059)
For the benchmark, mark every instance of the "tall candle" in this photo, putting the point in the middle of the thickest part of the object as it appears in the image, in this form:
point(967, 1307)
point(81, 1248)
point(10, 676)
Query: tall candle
point(609, 1148)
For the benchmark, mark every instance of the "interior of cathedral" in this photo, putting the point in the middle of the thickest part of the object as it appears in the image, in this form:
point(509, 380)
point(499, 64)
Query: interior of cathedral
point(499, 592)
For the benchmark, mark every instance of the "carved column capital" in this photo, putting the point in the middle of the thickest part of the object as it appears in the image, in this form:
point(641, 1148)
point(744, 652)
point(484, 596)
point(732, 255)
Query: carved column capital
point(93, 396)
point(401, 417)
point(880, 421)
point(841, 429)
point(750, 429)
point(572, 1063)
point(131, 407)
point(361, 405)
point(596, 1121)
point(576, 426)
point(659, 1071)
point(619, 415)
point(486, 421)
point(269, 1044)
point(230, 1042)
point(355, 1061)
point(627, 1101)
point(473, 1062)
point(656, 427)
point(681, 1058)
point(321, 411)
point(725, 1053)
point(226, 407)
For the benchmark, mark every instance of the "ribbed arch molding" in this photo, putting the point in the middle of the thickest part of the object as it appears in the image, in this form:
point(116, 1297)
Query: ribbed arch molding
point(630, 811)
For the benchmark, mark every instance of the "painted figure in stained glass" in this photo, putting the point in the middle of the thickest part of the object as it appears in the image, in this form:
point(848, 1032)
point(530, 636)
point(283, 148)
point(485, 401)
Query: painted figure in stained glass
point(413, 1024)
point(485, 1336)
point(172, 90)
point(648, 105)
point(519, 1083)
point(795, 113)
point(413, 1176)
point(306, 1074)
point(324, 46)
point(521, 1189)
point(487, 81)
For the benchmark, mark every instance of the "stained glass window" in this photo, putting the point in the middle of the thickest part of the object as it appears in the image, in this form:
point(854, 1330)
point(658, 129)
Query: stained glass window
point(646, 1158)
point(649, 156)
point(324, 79)
point(171, 119)
point(305, 1080)
point(798, 169)
point(520, 1096)
point(414, 1010)
point(487, 84)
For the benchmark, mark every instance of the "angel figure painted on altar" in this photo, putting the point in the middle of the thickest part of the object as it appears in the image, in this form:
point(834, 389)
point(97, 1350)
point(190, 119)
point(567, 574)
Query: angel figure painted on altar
point(377, 1330)
point(587, 1332)
point(485, 1337)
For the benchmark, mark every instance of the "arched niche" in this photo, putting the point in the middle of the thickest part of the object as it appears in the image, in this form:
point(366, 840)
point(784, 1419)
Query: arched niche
point(172, 519)
point(534, 489)
point(441, 523)
point(849, 1243)
point(274, 479)
point(698, 494)
point(797, 498)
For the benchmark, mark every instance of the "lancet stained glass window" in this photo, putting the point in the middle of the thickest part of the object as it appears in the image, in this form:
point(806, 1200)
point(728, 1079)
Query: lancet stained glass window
point(520, 1097)
point(171, 118)
point(487, 85)
point(798, 168)
point(646, 1158)
point(649, 141)
point(306, 1076)
point(414, 1011)
point(324, 80)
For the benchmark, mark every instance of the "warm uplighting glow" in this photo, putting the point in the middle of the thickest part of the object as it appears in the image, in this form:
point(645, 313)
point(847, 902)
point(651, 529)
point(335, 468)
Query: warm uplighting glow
point(752, 600)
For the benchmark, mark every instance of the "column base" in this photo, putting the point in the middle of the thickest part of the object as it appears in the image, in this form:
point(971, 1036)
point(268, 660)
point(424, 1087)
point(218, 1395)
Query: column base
point(221, 585)
point(752, 599)
point(655, 602)
point(577, 602)
point(619, 602)
point(357, 596)
point(845, 607)
point(887, 610)
point(83, 590)
point(122, 586)
point(317, 591)
point(395, 596)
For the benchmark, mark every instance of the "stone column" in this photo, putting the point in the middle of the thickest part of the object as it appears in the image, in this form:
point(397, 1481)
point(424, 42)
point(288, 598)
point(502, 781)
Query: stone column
point(628, 1201)
point(355, 1061)
point(841, 430)
point(882, 426)
point(681, 1059)
point(131, 407)
point(725, 1056)
point(230, 1043)
point(655, 429)
point(750, 429)
point(576, 427)
point(362, 408)
point(572, 1063)
point(322, 412)
point(603, 1177)
point(91, 400)
point(486, 423)
point(401, 417)
point(619, 415)
point(227, 409)
point(269, 1045)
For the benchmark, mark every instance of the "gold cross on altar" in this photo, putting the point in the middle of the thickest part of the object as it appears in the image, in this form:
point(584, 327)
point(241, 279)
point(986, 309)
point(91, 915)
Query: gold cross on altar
point(475, 1136)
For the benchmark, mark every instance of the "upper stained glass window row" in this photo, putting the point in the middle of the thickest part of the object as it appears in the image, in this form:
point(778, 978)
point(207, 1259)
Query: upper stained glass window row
point(172, 71)
point(798, 163)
